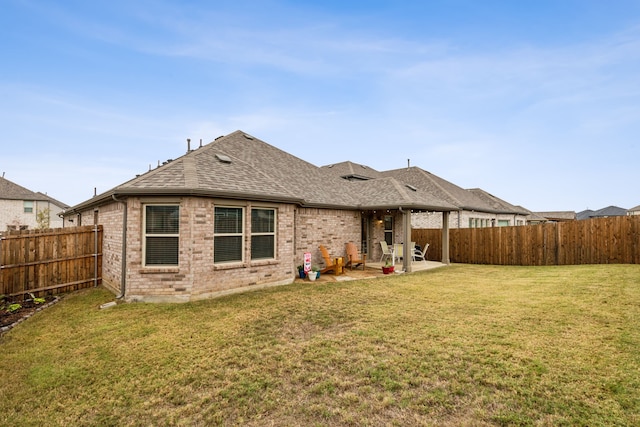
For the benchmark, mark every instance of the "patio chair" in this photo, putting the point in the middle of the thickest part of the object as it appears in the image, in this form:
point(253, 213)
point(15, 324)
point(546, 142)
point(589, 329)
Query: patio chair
point(397, 251)
point(353, 258)
point(421, 255)
point(386, 252)
point(328, 260)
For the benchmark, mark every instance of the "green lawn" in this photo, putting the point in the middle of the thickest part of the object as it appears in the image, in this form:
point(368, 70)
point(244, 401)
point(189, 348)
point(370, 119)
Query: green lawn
point(461, 345)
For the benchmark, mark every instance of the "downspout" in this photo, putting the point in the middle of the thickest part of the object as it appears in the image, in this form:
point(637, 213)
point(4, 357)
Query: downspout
point(123, 273)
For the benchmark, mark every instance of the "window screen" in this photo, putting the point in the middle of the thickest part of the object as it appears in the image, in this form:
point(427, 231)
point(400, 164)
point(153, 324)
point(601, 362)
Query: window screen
point(228, 236)
point(162, 223)
point(263, 236)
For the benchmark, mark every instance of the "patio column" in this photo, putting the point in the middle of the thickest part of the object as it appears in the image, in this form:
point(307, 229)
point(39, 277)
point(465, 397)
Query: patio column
point(406, 227)
point(445, 238)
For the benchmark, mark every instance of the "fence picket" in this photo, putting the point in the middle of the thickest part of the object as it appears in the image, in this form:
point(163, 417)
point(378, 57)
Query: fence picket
point(593, 241)
point(50, 261)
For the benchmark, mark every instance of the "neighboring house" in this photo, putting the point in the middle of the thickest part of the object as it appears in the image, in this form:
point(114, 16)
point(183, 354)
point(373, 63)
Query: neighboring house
point(602, 213)
point(634, 211)
point(557, 216)
point(533, 218)
point(476, 208)
point(23, 209)
point(506, 214)
point(238, 214)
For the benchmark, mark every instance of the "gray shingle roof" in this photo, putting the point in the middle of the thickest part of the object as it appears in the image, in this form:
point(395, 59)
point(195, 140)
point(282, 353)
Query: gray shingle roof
point(12, 191)
point(350, 170)
point(557, 215)
point(243, 167)
point(497, 204)
point(440, 188)
point(604, 212)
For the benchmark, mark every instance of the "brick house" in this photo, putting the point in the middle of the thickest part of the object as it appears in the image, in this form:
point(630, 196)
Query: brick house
point(239, 214)
point(21, 207)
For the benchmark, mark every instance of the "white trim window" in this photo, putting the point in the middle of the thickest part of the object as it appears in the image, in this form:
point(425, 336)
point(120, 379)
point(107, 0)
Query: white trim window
point(28, 206)
point(263, 233)
point(228, 234)
point(161, 234)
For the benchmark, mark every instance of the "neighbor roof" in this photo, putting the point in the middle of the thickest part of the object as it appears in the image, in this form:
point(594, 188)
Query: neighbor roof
point(604, 212)
point(240, 166)
point(12, 191)
point(558, 215)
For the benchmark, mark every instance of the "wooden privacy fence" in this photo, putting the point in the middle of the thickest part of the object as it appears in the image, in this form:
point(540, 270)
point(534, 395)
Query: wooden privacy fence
point(614, 240)
point(50, 261)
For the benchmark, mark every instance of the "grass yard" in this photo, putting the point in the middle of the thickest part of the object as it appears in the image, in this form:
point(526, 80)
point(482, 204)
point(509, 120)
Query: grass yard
point(462, 345)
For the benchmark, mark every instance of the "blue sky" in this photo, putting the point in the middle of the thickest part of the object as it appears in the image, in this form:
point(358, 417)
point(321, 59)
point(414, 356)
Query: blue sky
point(536, 102)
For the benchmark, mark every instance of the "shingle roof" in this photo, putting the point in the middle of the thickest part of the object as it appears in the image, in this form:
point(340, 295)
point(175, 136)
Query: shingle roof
point(241, 166)
point(439, 188)
point(558, 215)
point(350, 170)
point(497, 204)
point(604, 212)
point(13, 191)
point(391, 193)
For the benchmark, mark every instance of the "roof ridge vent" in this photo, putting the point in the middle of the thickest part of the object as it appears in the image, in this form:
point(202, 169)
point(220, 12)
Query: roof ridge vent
point(223, 158)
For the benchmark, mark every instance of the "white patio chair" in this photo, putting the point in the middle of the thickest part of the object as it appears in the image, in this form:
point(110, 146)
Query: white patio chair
point(397, 251)
point(420, 255)
point(386, 252)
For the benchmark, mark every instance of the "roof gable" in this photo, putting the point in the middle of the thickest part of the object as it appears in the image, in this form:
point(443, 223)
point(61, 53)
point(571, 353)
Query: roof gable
point(352, 171)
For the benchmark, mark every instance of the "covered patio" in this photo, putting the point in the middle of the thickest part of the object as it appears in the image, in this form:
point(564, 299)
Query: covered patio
point(372, 270)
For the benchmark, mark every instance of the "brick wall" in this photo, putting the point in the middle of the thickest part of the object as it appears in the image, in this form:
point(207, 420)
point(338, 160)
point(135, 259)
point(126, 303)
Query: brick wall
point(196, 277)
point(12, 214)
point(332, 228)
point(463, 219)
point(110, 216)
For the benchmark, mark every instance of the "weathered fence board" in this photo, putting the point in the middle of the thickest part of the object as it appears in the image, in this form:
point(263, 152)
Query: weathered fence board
point(613, 240)
point(50, 261)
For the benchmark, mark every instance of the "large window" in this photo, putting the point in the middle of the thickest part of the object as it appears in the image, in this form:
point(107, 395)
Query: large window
point(161, 231)
point(227, 235)
point(263, 234)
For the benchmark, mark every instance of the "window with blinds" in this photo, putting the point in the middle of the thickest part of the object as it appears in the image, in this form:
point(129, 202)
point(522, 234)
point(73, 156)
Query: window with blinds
point(263, 233)
point(227, 234)
point(161, 232)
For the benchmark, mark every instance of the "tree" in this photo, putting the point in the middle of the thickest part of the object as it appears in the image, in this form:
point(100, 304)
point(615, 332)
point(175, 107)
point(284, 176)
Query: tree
point(42, 218)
